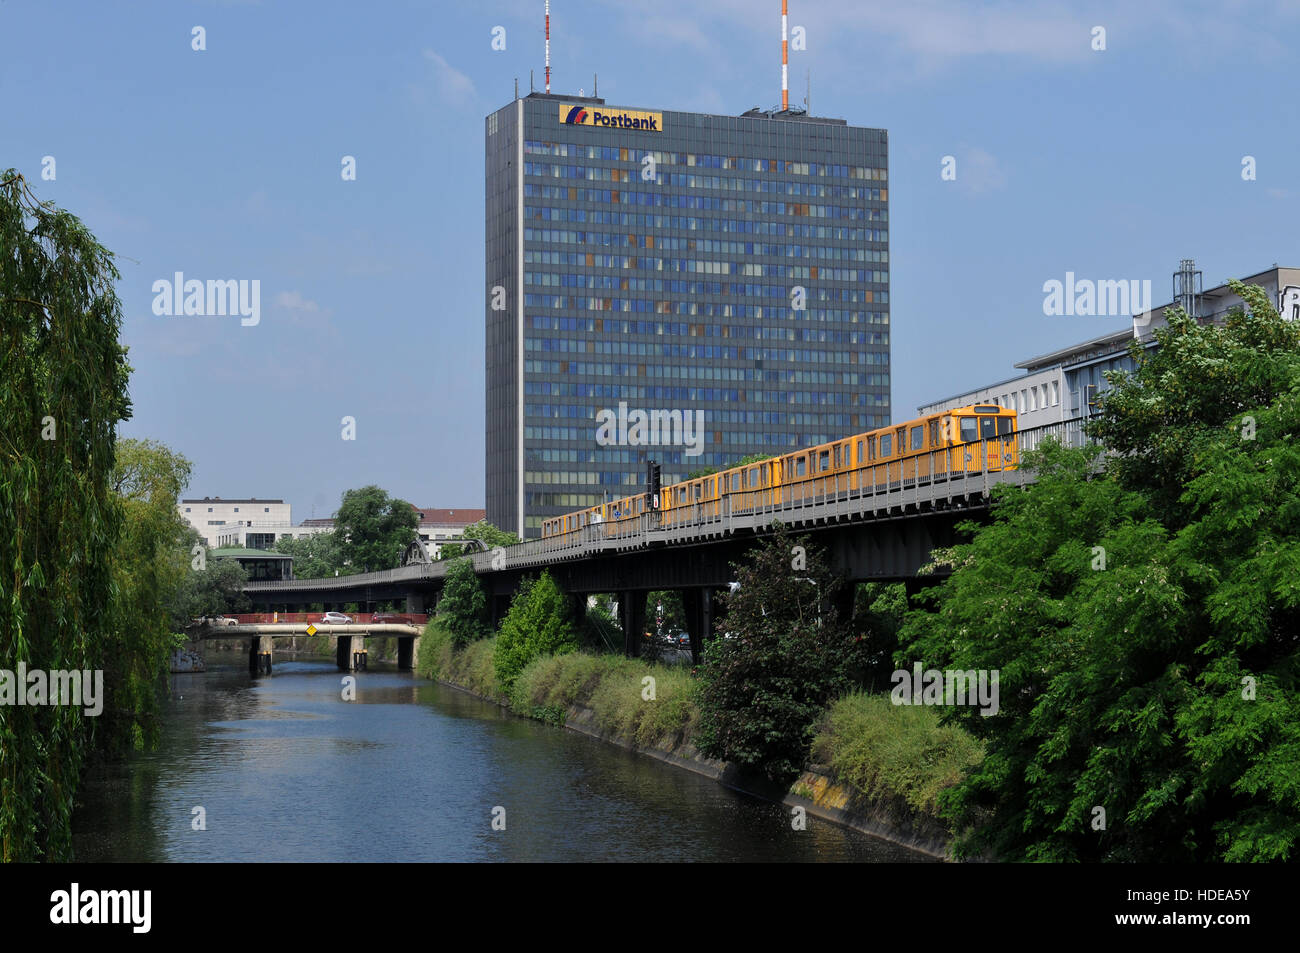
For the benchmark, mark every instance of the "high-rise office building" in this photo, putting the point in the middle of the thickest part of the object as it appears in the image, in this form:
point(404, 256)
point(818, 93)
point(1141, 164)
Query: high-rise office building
point(674, 286)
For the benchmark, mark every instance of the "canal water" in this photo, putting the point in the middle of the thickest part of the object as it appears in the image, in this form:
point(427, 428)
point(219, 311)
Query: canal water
point(285, 770)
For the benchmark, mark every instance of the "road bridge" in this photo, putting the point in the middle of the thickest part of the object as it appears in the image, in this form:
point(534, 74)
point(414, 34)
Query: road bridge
point(350, 645)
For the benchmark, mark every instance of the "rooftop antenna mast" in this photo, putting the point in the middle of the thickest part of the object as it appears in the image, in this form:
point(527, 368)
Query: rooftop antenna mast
point(548, 47)
point(785, 57)
point(1187, 287)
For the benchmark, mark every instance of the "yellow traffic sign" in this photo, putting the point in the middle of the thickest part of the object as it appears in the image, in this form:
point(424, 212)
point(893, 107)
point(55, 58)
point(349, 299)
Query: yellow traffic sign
point(311, 629)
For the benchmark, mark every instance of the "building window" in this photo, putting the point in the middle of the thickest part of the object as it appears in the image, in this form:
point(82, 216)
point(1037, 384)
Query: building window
point(187, 509)
point(209, 509)
point(1056, 393)
point(236, 509)
point(266, 509)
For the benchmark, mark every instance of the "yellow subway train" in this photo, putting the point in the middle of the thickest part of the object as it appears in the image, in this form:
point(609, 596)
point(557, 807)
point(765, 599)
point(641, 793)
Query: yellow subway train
point(974, 438)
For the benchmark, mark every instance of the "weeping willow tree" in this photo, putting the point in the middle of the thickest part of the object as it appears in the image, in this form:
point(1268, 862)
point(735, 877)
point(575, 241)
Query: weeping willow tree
point(63, 390)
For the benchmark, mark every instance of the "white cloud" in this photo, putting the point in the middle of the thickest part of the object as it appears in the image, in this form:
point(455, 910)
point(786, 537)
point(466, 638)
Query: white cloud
point(294, 301)
point(453, 85)
point(979, 171)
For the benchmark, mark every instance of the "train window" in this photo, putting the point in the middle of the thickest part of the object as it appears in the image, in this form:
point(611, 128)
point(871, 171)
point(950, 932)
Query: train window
point(934, 433)
point(969, 430)
point(918, 438)
point(1004, 425)
point(988, 427)
point(824, 461)
point(871, 448)
point(735, 481)
point(699, 490)
point(886, 444)
point(837, 456)
point(800, 465)
point(860, 457)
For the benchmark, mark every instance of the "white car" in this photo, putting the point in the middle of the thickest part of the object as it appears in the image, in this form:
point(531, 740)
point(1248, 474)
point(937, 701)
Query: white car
point(336, 618)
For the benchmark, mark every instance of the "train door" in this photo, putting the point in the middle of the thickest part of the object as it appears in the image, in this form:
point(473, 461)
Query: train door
point(990, 444)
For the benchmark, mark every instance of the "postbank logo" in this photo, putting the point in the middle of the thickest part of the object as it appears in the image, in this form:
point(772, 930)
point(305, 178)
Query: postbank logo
point(611, 118)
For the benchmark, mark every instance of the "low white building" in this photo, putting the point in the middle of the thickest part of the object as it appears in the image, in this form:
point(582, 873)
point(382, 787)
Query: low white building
point(251, 523)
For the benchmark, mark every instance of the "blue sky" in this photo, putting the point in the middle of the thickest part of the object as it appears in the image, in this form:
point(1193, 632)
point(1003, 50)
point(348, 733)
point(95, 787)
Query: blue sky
point(225, 163)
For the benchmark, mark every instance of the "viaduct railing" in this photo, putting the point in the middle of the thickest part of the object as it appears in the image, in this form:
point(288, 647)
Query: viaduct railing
point(873, 491)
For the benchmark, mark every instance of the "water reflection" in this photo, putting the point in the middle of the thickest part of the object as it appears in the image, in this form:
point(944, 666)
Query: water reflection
point(287, 770)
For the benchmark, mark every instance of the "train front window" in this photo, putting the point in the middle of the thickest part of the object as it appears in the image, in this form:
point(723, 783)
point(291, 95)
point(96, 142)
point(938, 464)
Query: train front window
point(969, 430)
point(988, 427)
point(1004, 425)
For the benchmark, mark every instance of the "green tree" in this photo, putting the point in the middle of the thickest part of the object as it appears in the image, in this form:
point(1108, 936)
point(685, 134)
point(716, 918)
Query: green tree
point(538, 623)
point(374, 529)
point(315, 556)
point(63, 390)
point(214, 590)
point(490, 535)
point(743, 461)
point(463, 605)
point(151, 562)
point(784, 656)
point(1143, 623)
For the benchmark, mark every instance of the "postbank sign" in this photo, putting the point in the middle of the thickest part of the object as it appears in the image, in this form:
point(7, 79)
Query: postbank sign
point(611, 118)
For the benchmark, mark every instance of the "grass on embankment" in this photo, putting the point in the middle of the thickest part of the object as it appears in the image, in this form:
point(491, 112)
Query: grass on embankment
point(890, 751)
point(611, 686)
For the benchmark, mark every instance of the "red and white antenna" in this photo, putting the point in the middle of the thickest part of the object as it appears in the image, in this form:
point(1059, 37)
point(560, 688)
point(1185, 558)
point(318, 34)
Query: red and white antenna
point(785, 58)
point(548, 46)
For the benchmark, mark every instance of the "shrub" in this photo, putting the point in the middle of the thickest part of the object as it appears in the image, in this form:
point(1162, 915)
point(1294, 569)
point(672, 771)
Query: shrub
point(463, 606)
point(787, 656)
point(537, 624)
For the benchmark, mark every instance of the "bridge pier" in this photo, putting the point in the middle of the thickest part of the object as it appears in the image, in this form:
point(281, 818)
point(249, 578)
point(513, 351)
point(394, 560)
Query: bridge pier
point(844, 602)
point(631, 614)
point(350, 654)
point(259, 655)
point(408, 651)
point(498, 606)
point(699, 618)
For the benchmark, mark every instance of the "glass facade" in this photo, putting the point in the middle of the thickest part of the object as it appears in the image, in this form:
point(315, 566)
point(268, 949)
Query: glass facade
point(730, 271)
